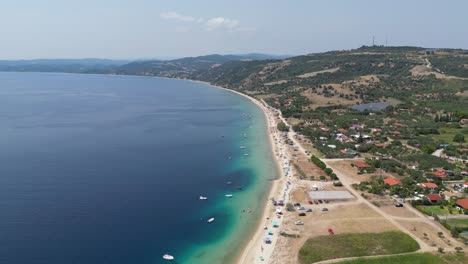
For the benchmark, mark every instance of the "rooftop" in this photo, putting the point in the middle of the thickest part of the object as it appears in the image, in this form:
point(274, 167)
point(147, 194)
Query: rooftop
point(392, 181)
point(463, 203)
point(428, 185)
point(434, 197)
point(330, 195)
point(361, 164)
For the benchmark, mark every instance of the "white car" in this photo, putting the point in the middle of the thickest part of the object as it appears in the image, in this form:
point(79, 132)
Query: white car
point(299, 223)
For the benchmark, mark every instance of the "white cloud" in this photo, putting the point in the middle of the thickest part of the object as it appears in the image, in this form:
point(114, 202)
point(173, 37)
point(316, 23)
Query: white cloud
point(221, 23)
point(217, 23)
point(176, 16)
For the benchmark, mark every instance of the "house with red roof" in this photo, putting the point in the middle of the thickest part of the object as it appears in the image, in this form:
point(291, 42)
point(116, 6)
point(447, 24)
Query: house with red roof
point(462, 203)
point(376, 130)
point(428, 185)
point(395, 133)
point(392, 181)
point(463, 172)
point(341, 130)
point(361, 165)
point(433, 197)
point(440, 173)
point(380, 145)
point(324, 129)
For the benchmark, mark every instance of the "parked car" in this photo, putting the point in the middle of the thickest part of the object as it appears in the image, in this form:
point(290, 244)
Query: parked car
point(309, 210)
point(316, 202)
point(320, 201)
point(297, 204)
point(299, 223)
point(302, 214)
point(399, 205)
point(310, 202)
point(324, 209)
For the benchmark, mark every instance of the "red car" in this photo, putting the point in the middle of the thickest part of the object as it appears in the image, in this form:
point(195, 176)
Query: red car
point(310, 202)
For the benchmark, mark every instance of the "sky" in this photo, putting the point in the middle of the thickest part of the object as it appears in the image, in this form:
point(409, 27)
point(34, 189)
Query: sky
point(134, 29)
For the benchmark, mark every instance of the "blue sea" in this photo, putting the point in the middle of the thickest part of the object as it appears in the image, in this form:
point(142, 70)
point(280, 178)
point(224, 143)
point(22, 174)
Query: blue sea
point(99, 169)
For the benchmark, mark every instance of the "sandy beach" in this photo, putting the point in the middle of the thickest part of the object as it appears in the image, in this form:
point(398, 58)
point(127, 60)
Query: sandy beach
point(255, 249)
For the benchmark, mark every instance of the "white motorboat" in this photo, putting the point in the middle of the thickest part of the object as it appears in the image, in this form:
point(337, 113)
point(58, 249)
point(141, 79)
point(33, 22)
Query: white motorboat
point(242, 147)
point(228, 195)
point(168, 257)
point(211, 220)
point(203, 198)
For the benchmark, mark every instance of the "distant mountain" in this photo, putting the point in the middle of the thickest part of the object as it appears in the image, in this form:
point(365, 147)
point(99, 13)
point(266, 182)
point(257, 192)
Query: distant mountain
point(185, 67)
point(161, 67)
point(62, 65)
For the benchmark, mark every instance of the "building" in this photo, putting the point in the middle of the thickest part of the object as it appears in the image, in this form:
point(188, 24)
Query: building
point(392, 181)
point(462, 203)
point(361, 165)
point(440, 173)
point(433, 197)
point(428, 185)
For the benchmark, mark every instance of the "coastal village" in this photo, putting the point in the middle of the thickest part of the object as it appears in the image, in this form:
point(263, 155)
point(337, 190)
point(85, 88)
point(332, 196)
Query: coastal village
point(348, 180)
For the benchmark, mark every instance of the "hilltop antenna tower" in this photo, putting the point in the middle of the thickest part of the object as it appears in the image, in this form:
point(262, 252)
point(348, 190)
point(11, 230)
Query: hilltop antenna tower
point(373, 40)
point(386, 41)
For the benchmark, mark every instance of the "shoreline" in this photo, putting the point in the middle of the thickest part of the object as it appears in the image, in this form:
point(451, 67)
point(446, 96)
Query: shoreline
point(253, 249)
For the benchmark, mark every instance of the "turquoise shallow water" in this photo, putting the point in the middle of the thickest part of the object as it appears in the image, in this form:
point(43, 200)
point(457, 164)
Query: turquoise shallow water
point(108, 169)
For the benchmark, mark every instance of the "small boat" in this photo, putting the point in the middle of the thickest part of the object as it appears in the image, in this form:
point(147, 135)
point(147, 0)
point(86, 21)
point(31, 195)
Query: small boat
point(203, 198)
point(239, 187)
point(228, 183)
point(228, 195)
point(242, 147)
point(246, 154)
point(211, 220)
point(168, 257)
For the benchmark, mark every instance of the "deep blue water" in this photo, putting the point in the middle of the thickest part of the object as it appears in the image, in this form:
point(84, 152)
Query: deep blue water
point(108, 169)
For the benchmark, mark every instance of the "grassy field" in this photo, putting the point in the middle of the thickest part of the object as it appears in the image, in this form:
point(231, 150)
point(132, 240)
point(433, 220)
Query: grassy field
point(433, 209)
point(447, 134)
point(419, 258)
point(356, 245)
point(458, 222)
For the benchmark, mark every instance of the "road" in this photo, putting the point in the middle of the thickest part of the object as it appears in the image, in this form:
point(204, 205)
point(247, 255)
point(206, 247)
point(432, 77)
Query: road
point(347, 182)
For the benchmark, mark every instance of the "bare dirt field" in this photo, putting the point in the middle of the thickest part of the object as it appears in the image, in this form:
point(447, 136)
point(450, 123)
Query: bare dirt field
point(312, 74)
point(320, 100)
point(345, 166)
point(388, 206)
point(419, 228)
point(347, 217)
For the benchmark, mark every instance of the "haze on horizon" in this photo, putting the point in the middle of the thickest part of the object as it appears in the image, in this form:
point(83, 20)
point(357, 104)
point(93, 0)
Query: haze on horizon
point(124, 29)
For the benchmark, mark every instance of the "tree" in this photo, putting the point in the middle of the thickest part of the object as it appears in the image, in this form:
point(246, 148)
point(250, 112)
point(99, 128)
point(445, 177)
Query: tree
point(460, 138)
point(428, 149)
point(282, 127)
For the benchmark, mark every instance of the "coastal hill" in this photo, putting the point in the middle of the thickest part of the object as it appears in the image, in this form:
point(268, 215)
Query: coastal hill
point(366, 74)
